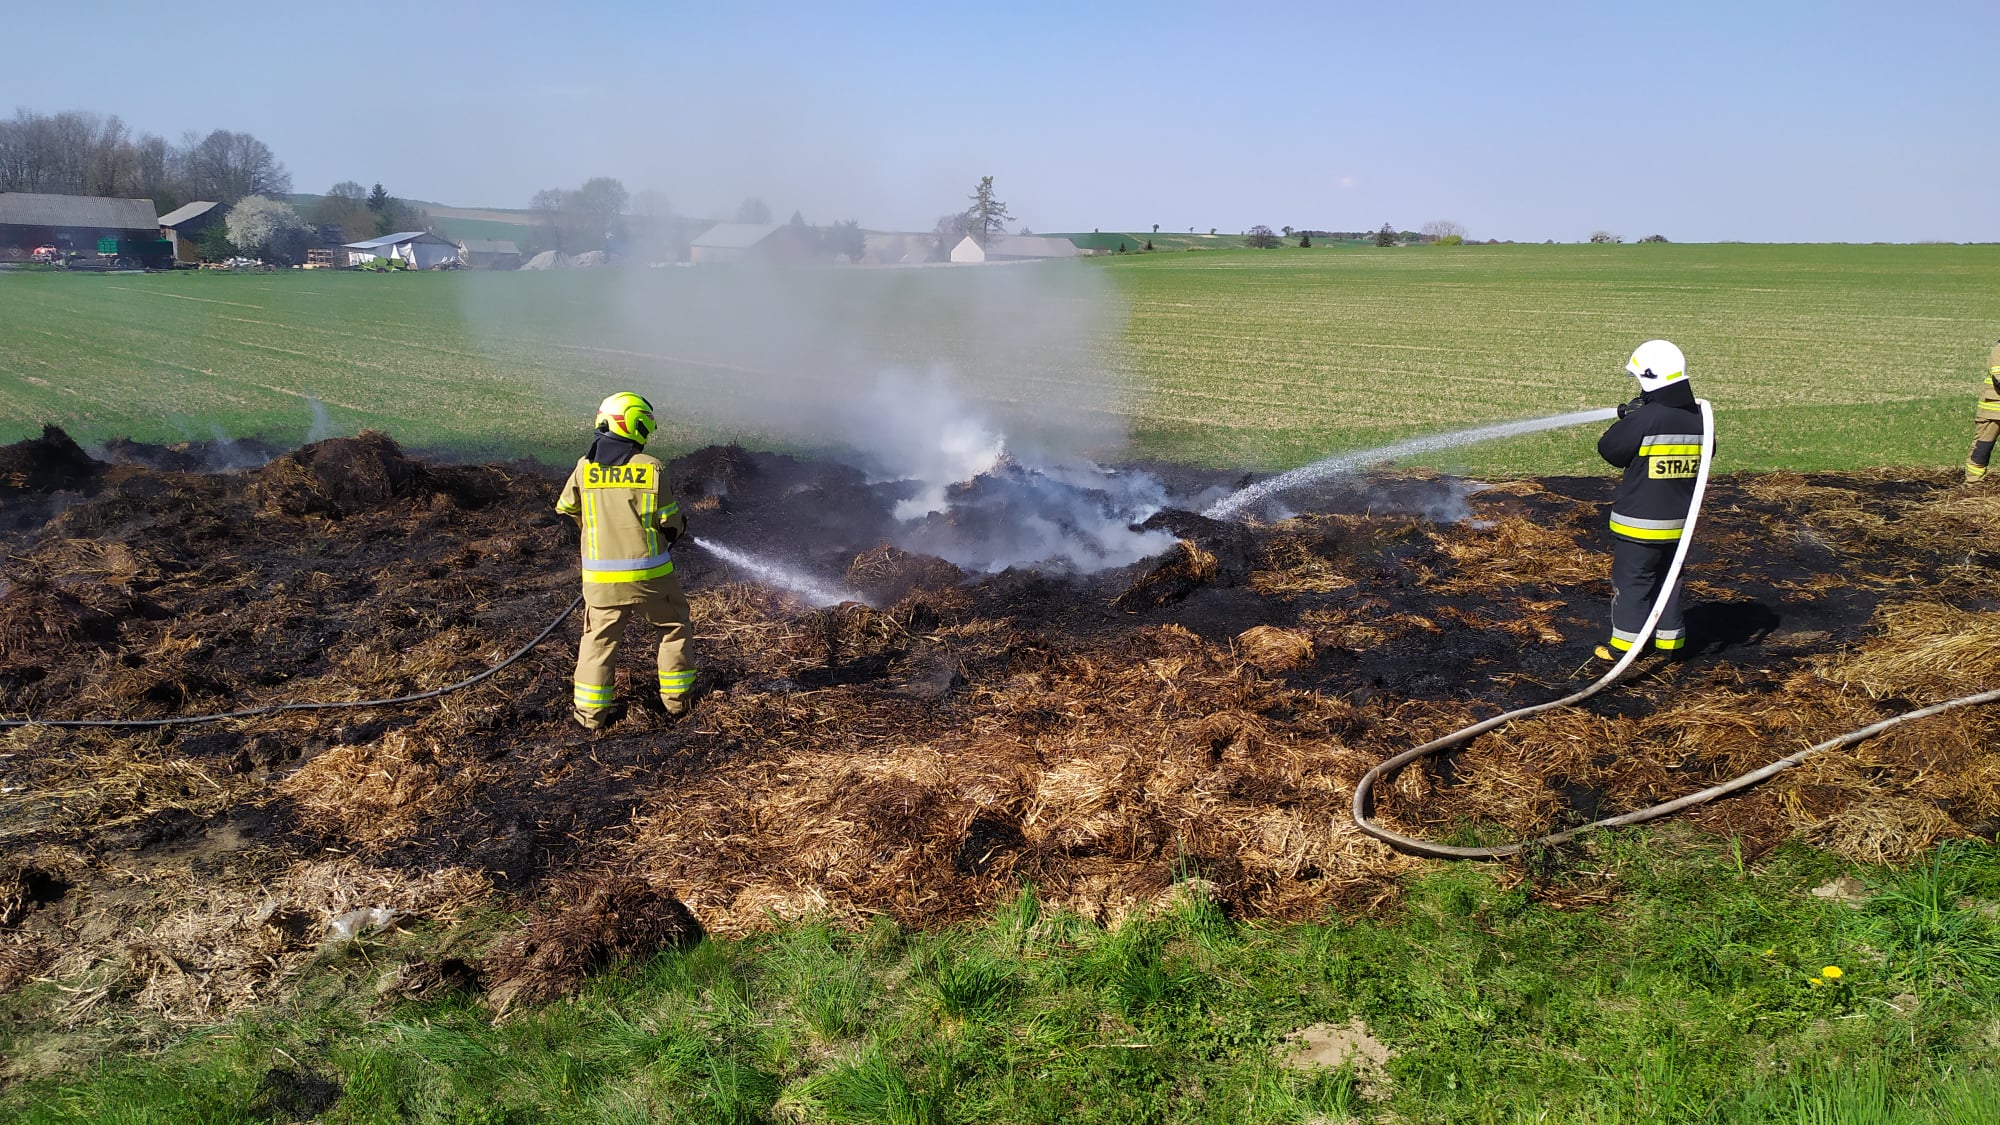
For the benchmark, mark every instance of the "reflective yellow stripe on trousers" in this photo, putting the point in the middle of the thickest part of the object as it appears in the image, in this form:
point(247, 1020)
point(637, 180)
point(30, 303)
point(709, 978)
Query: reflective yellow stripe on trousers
point(1633, 527)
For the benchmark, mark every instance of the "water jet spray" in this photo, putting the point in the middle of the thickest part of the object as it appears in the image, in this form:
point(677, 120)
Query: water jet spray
point(1338, 464)
point(780, 576)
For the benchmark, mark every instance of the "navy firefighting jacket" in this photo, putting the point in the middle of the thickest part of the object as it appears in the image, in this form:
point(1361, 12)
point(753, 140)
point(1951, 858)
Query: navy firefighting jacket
point(1658, 444)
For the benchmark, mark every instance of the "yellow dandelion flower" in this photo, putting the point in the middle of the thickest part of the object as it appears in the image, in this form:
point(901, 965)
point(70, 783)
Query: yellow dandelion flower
point(1771, 952)
point(1817, 982)
point(1831, 972)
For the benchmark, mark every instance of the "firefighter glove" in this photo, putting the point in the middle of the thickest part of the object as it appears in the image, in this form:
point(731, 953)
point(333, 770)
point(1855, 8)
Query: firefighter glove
point(1625, 408)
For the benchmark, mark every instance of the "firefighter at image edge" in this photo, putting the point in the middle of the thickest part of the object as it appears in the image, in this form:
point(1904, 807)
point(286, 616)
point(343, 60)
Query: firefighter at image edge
point(625, 509)
point(1657, 441)
point(1986, 421)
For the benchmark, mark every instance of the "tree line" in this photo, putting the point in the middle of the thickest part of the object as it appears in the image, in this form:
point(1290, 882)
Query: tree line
point(578, 220)
point(362, 213)
point(984, 220)
point(274, 231)
point(601, 214)
point(80, 153)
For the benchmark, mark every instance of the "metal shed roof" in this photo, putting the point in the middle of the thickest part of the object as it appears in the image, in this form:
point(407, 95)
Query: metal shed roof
point(398, 237)
point(735, 236)
point(1031, 246)
point(32, 209)
point(181, 215)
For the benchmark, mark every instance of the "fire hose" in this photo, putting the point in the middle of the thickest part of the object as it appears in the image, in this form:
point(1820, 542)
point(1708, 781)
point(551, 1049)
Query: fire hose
point(278, 708)
point(1364, 790)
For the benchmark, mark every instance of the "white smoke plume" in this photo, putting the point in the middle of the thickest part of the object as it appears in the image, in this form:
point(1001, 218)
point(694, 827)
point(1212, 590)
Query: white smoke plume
point(986, 390)
point(1060, 517)
point(923, 431)
point(322, 426)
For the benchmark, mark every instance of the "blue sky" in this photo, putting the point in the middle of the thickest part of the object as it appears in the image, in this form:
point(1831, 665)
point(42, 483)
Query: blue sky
point(1699, 121)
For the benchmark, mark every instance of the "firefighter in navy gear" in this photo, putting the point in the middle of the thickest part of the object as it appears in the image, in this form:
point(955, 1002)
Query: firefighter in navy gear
point(1657, 441)
point(1986, 420)
point(625, 509)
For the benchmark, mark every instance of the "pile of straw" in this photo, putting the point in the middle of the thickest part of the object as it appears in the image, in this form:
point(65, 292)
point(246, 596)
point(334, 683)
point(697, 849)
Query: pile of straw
point(1104, 739)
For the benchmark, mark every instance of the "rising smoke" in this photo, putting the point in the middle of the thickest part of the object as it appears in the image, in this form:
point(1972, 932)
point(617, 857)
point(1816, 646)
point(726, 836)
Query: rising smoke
point(987, 393)
point(322, 426)
point(207, 447)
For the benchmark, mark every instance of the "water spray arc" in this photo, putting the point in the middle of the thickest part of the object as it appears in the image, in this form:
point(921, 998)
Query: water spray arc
point(1327, 467)
point(1364, 789)
point(807, 589)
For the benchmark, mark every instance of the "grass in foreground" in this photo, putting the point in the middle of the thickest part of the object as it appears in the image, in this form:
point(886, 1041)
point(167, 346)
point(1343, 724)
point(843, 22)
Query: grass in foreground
point(1695, 990)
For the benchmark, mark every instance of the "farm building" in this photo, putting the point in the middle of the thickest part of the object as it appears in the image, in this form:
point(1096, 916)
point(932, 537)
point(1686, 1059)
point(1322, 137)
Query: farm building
point(184, 226)
point(1014, 248)
point(417, 249)
point(488, 254)
point(889, 248)
point(748, 242)
point(653, 239)
point(80, 226)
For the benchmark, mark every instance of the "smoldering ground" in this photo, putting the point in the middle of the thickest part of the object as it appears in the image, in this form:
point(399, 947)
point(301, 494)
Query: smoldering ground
point(1099, 735)
point(973, 392)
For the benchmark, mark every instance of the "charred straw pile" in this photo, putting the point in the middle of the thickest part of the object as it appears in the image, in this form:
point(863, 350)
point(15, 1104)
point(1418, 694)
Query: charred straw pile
point(1202, 714)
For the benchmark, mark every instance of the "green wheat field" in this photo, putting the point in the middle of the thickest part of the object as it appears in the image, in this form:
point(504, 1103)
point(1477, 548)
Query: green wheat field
point(1816, 356)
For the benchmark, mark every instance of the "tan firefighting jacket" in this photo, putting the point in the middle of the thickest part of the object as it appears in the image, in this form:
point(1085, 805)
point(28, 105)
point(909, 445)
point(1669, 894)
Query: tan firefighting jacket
point(1989, 391)
point(628, 517)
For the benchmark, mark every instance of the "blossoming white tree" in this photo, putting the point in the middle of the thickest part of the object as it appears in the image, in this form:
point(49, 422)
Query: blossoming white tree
point(268, 229)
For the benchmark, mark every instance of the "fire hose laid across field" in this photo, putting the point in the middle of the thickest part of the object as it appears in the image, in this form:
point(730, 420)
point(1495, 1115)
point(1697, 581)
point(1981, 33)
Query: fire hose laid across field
point(277, 708)
point(1365, 789)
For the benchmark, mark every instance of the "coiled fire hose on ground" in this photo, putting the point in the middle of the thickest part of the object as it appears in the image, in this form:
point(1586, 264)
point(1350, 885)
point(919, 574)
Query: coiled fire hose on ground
point(277, 708)
point(1364, 790)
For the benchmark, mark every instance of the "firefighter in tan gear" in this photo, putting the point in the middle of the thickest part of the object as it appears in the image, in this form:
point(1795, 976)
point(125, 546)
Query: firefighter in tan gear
point(1987, 419)
point(624, 506)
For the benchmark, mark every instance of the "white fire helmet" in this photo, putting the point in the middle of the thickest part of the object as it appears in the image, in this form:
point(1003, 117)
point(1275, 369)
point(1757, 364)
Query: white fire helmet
point(1657, 363)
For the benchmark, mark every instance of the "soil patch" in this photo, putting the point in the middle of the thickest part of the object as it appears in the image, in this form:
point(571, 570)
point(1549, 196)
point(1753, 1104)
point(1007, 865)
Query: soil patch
point(1334, 1046)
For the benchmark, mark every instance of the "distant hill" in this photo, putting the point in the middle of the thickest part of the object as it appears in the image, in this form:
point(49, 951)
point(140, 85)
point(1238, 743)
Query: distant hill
point(451, 222)
point(521, 217)
point(459, 222)
point(1107, 241)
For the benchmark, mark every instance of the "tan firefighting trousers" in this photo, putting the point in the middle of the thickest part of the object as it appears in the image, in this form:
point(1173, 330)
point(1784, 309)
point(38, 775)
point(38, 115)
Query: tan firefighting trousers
point(1982, 446)
point(665, 608)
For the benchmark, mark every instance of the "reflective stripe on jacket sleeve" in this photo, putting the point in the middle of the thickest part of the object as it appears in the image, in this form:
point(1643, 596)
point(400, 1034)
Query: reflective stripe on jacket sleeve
point(1670, 445)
